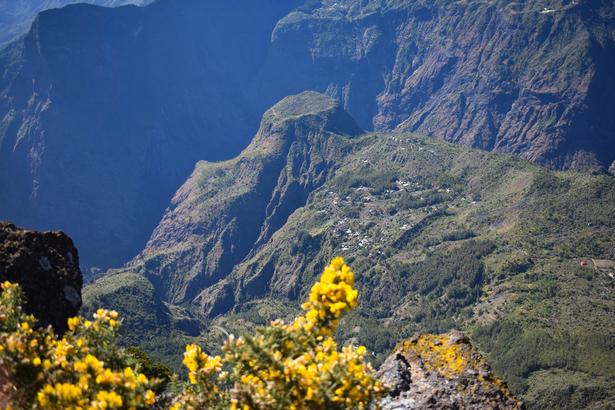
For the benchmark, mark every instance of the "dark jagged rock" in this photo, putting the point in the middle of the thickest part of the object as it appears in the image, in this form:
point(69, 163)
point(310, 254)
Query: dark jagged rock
point(46, 265)
point(442, 372)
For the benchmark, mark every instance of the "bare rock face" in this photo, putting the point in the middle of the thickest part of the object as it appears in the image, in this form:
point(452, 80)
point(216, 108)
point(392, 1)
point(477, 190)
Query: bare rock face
point(529, 78)
point(56, 138)
point(442, 372)
point(227, 209)
point(46, 265)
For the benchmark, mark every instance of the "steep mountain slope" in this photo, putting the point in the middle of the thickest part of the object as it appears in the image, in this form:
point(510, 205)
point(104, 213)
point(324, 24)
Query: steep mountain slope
point(441, 237)
point(529, 78)
point(225, 208)
point(105, 111)
point(17, 15)
point(203, 235)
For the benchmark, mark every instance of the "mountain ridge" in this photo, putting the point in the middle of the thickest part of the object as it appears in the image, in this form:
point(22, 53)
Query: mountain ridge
point(17, 16)
point(463, 85)
point(265, 192)
point(441, 236)
point(132, 97)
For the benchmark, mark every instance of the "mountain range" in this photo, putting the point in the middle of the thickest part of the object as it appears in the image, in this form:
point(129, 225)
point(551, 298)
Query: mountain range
point(441, 236)
point(210, 157)
point(132, 97)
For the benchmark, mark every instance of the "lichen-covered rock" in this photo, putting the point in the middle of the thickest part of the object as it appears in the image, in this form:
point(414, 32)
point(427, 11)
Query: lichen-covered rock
point(46, 265)
point(442, 372)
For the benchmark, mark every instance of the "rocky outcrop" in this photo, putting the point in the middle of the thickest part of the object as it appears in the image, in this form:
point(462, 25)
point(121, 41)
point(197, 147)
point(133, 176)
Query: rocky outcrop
point(227, 209)
point(442, 372)
point(46, 265)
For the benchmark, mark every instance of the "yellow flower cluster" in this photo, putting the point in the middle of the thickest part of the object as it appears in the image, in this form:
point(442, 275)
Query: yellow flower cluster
point(295, 366)
point(199, 364)
point(81, 370)
point(98, 387)
point(284, 366)
point(329, 298)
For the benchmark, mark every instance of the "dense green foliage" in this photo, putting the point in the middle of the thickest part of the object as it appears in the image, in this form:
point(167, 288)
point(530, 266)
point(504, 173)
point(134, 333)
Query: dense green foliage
point(148, 323)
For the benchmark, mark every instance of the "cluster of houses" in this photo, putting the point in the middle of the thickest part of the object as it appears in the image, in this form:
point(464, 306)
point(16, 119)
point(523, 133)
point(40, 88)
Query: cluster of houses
point(605, 266)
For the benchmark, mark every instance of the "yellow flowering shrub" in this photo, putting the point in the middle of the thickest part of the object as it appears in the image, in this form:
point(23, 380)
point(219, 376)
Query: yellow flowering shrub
point(81, 370)
point(288, 366)
point(284, 366)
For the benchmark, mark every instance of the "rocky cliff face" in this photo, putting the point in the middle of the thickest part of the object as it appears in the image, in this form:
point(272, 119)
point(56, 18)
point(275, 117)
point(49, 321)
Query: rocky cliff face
point(46, 265)
point(227, 209)
point(442, 372)
point(104, 112)
point(529, 78)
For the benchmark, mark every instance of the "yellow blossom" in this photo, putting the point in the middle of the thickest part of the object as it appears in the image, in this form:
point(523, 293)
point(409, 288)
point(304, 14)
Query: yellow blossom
point(150, 397)
point(71, 375)
point(109, 399)
point(73, 322)
point(297, 364)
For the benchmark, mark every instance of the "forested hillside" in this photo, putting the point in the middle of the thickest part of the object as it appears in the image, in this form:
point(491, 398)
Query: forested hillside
point(441, 236)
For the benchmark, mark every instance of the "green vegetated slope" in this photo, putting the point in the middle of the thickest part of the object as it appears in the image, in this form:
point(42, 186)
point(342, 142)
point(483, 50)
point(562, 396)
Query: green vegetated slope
point(160, 87)
point(440, 236)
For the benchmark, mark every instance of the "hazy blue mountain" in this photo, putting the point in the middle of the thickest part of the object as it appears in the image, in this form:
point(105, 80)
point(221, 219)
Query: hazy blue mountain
point(17, 15)
point(105, 111)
